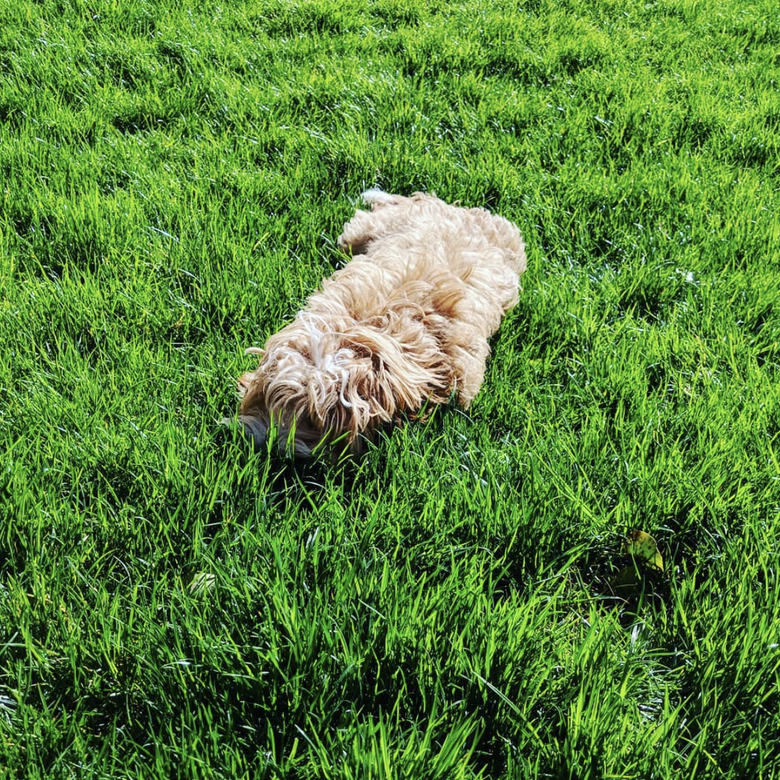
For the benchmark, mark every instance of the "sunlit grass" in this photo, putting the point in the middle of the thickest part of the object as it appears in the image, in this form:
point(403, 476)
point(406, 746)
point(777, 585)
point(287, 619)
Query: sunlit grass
point(172, 180)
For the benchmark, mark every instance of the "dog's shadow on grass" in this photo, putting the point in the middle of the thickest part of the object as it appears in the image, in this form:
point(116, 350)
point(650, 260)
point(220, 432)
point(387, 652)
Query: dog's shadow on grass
point(308, 481)
point(285, 477)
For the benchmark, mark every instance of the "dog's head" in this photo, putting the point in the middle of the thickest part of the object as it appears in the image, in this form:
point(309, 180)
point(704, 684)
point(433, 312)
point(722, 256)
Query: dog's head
point(320, 380)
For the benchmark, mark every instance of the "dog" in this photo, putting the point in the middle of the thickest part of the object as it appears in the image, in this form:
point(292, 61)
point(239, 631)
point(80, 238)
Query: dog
point(404, 324)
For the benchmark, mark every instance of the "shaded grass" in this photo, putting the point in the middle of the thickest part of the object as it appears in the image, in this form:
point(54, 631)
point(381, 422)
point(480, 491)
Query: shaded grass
point(173, 179)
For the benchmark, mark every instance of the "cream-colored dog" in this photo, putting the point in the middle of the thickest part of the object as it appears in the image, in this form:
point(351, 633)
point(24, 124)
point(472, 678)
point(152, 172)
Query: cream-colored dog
point(404, 324)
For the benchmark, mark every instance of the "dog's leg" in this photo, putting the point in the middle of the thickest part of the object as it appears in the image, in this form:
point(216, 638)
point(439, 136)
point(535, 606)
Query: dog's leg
point(388, 214)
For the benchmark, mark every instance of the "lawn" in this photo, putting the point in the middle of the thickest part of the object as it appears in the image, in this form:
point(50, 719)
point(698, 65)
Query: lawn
point(173, 176)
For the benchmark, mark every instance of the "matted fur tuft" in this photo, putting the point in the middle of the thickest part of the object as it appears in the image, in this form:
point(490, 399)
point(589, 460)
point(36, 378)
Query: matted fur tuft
point(405, 323)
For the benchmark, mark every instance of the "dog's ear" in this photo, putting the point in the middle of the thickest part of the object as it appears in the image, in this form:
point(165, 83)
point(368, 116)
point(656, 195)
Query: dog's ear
point(366, 397)
point(387, 377)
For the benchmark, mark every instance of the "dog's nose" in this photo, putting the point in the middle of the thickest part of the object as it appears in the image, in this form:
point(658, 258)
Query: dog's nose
point(254, 428)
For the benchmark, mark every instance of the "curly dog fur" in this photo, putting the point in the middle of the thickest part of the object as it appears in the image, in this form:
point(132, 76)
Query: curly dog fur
point(405, 323)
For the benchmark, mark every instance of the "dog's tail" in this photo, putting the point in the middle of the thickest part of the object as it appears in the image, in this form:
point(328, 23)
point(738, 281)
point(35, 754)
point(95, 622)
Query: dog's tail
point(377, 197)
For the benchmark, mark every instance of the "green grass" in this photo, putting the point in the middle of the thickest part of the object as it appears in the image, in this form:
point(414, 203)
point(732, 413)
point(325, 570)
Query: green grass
point(172, 180)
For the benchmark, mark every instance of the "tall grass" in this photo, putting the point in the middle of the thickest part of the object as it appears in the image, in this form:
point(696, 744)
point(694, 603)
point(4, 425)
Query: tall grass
point(172, 178)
